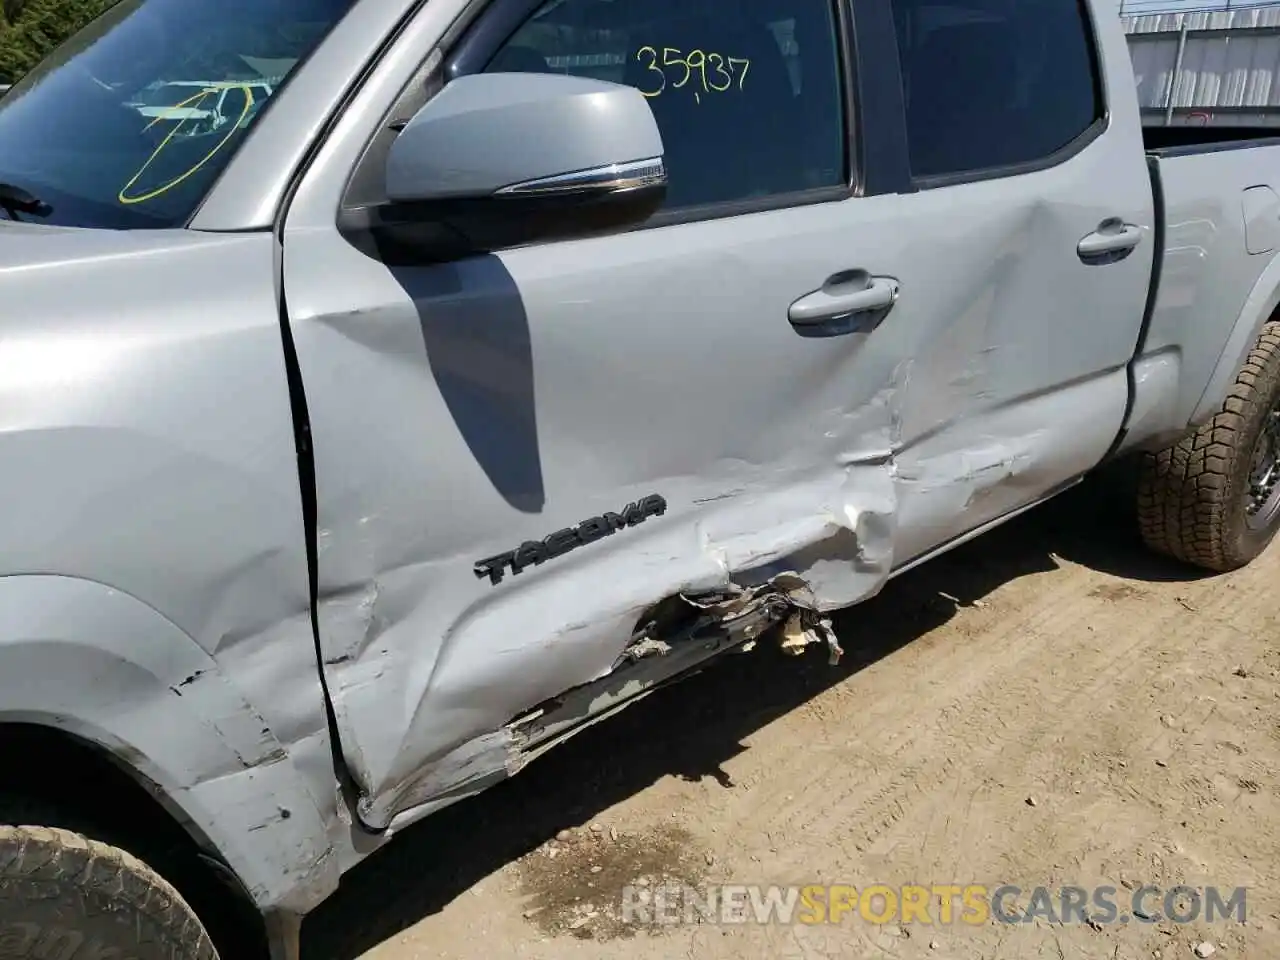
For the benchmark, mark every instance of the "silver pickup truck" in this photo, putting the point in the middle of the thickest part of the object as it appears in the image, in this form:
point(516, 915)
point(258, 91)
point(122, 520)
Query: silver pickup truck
point(518, 356)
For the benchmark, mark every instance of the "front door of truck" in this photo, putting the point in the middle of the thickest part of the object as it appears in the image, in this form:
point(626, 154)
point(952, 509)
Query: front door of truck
point(755, 363)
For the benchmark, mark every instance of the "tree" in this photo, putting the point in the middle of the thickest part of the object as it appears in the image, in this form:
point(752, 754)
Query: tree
point(10, 10)
point(33, 28)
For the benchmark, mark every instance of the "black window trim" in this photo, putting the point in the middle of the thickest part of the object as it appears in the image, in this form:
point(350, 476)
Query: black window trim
point(882, 134)
point(1068, 151)
point(1056, 159)
point(488, 24)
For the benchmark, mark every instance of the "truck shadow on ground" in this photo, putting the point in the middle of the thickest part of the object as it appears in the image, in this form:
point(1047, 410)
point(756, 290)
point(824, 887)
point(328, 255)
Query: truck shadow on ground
point(693, 728)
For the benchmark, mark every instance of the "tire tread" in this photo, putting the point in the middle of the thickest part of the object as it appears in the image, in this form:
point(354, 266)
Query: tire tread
point(1186, 493)
point(100, 879)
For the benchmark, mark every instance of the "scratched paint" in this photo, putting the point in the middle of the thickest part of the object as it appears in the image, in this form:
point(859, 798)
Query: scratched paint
point(457, 410)
point(551, 383)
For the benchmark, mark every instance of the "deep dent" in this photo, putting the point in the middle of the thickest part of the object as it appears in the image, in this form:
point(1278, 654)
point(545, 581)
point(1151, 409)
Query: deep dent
point(799, 491)
point(653, 604)
point(790, 575)
point(639, 610)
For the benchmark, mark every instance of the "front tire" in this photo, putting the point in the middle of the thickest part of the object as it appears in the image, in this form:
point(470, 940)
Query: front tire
point(63, 895)
point(1213, 498)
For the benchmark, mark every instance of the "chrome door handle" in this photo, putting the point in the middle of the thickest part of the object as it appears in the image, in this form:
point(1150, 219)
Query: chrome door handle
point(1111, 242)
point(849, 302)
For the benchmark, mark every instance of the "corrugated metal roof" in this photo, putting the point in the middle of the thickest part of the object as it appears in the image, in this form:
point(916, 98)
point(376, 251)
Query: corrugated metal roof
point(1226, 68)
point(1243, 18)
point(1215, 72)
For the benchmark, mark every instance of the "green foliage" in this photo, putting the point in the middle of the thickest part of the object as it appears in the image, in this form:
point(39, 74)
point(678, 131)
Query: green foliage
point(30, 29)
point(9, 10)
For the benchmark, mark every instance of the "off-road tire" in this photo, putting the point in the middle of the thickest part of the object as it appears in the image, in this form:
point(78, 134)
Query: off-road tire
point(65, 896)
point(1192, 496)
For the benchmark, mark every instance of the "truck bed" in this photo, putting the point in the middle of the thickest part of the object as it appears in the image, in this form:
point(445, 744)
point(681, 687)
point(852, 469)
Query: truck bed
point(1219, 229)
point(1178, 140)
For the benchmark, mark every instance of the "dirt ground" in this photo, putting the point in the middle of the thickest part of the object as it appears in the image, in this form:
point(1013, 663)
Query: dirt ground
point(1046, 706)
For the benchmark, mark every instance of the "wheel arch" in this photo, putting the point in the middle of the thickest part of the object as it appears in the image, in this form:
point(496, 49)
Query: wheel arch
point(1260, 308)
point(98, 670)
point(131, 814)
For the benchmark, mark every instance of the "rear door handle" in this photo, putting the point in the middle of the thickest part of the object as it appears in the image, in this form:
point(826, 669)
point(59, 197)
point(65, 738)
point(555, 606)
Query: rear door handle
point(849, 302)
point(1111, 242)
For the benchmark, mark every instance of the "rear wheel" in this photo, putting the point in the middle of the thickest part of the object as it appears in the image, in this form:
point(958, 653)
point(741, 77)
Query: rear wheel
point(63, 895)
point(1213, 499)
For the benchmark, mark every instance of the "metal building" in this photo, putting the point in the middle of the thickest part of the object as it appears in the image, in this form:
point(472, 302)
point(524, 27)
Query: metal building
point(1207, 67)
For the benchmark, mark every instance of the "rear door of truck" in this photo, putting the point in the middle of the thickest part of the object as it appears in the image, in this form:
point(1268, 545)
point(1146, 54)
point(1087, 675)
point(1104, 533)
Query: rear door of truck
point(458, 410)
point(1022, 125)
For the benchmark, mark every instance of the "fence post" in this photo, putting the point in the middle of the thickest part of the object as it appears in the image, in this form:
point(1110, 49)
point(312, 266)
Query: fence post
point(1173, 74)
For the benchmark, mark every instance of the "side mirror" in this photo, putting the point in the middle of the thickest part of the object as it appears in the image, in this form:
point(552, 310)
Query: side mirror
point(501, 159)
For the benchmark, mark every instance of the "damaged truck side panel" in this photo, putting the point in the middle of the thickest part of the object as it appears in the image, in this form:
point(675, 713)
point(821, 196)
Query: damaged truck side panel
point(393, 507)
point(154, 596)
point(460, 409)
point(189, 735)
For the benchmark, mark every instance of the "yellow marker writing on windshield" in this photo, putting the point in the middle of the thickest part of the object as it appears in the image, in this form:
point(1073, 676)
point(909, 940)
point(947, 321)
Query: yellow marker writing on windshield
point(161, 190)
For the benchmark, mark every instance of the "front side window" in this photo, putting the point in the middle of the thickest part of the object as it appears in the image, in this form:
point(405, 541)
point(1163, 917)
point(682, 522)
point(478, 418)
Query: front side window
point(746, 93)
point(994, 83)
point(128, 124)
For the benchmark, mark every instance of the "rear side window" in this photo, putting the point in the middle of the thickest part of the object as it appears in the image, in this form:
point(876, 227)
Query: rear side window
point(747, 93)
point(994, 83)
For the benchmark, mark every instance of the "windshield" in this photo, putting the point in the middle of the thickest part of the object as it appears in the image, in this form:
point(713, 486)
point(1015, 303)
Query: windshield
point(128, 124)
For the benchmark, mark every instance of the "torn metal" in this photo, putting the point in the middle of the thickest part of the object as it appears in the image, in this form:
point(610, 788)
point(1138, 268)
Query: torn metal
point(678, 595)
point(463, 410)
point(801, 631)
point(676, 637)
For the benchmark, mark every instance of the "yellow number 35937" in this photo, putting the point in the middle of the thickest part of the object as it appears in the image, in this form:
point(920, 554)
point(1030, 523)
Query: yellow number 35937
point(716, 72)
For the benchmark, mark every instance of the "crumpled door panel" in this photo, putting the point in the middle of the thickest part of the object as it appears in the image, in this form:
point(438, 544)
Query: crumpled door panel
point(464, 411)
